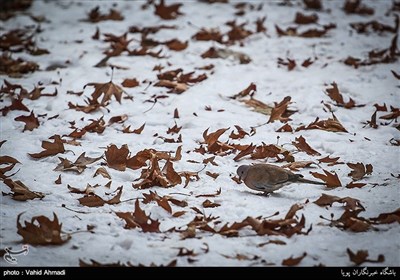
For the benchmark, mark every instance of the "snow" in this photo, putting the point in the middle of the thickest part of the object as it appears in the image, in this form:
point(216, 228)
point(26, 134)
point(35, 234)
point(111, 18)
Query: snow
point(110, 242)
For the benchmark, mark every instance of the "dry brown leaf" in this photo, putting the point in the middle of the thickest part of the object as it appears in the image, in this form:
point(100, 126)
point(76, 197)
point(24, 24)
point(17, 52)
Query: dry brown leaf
point(295, 166)
point(210, 195)
point(336, 96)
point(93, 200)
point(167, 12)
point(362, 256)
point(293, 261)
point(301, 144)
point(103, 172)
point(58, 181)
point(212, 175)
point(95, 15)
point(387, 218)
point(359, 170)
point(305, 19)
point(42, 231)
point(130, 83)
point(330, 161)
point(350, 203)
point(313, 4)
point(240, 133)
point(117, 157)
point(50, 149)
point(139, 219)
point(31, 122)
point(20, 191)
point(78, 166)
point(285, 128)
point(352, 185)
point(107, 90)
point(280, 112)
point(331, 179)
point(117, 119)
point(136, 131)
point(328, 125)
point(176, 45)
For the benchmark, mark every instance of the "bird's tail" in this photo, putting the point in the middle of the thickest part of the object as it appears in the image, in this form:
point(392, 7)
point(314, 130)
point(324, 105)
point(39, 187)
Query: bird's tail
point(310, 181)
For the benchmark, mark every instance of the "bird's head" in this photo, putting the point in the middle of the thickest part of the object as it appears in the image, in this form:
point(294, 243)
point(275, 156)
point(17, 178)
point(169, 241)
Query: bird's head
point(242, 171)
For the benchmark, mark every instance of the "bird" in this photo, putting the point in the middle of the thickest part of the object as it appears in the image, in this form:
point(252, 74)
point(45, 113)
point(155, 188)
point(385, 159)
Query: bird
point(268, 178)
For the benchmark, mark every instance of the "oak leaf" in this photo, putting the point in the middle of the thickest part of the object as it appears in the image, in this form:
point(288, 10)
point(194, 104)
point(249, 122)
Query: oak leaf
point(78, 166)
point(362, 256)
point(107, 90)
point(350, 203)
point(301, 144)
point(359, 170)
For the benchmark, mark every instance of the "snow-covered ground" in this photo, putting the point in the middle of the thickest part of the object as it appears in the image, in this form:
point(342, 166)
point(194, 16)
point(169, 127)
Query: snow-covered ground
point(69, 40)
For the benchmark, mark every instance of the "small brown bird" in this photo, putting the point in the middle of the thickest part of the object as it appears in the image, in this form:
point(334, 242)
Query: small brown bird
point(268, 178)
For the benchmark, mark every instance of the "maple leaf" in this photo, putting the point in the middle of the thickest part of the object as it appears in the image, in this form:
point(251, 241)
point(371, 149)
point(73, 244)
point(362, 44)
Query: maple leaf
point(167, 12)
point(336, 96)
point(78, 166)
point(42, 231)
point(350, 203)
point(20, 191)
point(301, 144)
point(108, 89)
point(359, 170)
point(280, 112)
point(362, 256)
point(139, 219)
point(50, 149)
point(331, 180)
point(294, 261)
point(31, 122)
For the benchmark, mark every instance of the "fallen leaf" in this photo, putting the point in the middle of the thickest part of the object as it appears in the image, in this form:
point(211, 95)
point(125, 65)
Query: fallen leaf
point(280, 112)
point(313, 4)
point(93, 200)
point(103, 172)
point(136, 131)
point(78, 166)
point(331, 179)
point(50, 149)
point(359, 170)
point(95, 15)
point(352, 185)
point(20, 191)
point(167, 12)
point(117, 157)
point(118, 119)
point(107, 90)
point(139, 219)
point(330, 161)
point(356, 7)
point(212, 175)
point(16, 105)
point(387, 218)
point(293, 261)
point(218, 192)
point(31, 122)
point(42, 231)
point(328, 125)
point(350, 203)
point(305, 19)
point(301, 144)
point(58, 181)
point(130, 83)
point(295, 166)
point(362, 256)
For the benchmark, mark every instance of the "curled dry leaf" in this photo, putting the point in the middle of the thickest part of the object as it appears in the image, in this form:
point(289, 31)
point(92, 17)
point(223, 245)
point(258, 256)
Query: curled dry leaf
point(107, 90)
point(330, 161)
point(50, 149)
point(280, 111)
point(301, 144)
point(103, 172)
point(350, 203)
point(78, 166)
point(218, 192)
point(336, 96)
point(362, 256)
point(209, 204)
point(118, 119)
point(58, 181)
point(359, 170)
point(305, 19)
point(294, 261)
point(130, 83)
point(295, 166)
point(331, 179)
point(93, 200)
point(95, 15)
point(31, 122)
point(240, 134)
point(16, 105)
point(136, 131)
point(42, 231)
point(212, 175)
point(328, 125)
point(139, 219)
point(20, 191)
